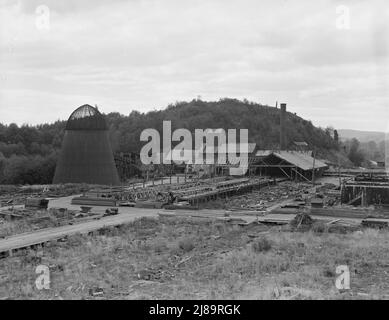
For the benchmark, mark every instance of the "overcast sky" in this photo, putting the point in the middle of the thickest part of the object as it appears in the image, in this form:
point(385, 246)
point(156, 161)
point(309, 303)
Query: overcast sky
point(144, 54)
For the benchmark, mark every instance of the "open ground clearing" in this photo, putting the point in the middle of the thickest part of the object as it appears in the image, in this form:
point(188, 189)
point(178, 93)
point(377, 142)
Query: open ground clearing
point(227, 252)
point(182, 258)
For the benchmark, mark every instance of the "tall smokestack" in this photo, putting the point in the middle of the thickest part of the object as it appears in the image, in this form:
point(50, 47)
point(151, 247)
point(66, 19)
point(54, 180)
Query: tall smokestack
point(282, 126)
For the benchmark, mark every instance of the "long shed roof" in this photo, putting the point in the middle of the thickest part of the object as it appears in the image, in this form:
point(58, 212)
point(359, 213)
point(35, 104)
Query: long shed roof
point(302, 160)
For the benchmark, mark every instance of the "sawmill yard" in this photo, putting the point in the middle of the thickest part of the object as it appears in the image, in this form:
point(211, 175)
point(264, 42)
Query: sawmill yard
point(187, 258)
point(246, 247)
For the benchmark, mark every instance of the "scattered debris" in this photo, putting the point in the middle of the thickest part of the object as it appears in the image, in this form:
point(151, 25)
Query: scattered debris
point(154, 274)
point(375, 223)
point(111, 212)
point(333, 221)
point(302, 219)
point(96, 291)
point(85, 209)
point(317, 203)
point(186, 245)
point(183, 261)
point(263, 198)
point(38, 203)
point(145, 274)
point(261, 245)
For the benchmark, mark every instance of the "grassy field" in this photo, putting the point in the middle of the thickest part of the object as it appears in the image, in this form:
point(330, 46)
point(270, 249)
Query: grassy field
point(35, 220)
point(171, 258)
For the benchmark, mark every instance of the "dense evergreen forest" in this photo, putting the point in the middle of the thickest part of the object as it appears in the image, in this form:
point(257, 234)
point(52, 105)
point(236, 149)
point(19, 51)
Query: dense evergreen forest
point(28, 154)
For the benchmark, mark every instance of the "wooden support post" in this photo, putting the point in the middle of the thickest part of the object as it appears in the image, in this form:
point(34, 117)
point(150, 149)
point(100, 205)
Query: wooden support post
point(364, 197)
point(340, 179)
point(313, 167)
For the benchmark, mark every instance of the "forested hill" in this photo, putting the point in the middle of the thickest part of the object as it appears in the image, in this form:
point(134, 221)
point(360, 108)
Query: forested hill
point(261, 121)
point(28, 153)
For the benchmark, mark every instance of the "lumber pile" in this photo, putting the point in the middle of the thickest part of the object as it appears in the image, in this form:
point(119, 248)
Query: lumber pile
point(263, 198)
point(375, 223)
point(89, 201)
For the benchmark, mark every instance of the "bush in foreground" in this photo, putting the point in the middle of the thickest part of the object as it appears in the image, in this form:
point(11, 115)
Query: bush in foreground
point(261, 245)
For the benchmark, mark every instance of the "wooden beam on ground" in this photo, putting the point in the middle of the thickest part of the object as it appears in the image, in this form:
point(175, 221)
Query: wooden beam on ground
point(355, 199)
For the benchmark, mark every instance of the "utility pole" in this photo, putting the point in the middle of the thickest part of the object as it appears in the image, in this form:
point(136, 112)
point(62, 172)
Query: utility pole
point(313, 167)
point(340, 180)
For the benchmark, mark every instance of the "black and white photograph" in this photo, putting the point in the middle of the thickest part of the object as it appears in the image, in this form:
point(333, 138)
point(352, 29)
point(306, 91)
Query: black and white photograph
point(194, 155)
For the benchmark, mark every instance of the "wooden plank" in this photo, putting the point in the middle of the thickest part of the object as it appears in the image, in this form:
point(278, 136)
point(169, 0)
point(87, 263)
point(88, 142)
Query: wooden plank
point(45, 235)
point(93, 201)
point(340, 212)
point(11, 214)
point(358, 197)
point(333, 221)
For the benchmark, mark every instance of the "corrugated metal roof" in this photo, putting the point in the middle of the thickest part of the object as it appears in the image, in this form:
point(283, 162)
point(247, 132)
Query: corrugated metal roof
point(299, 159)
point(263, 153)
